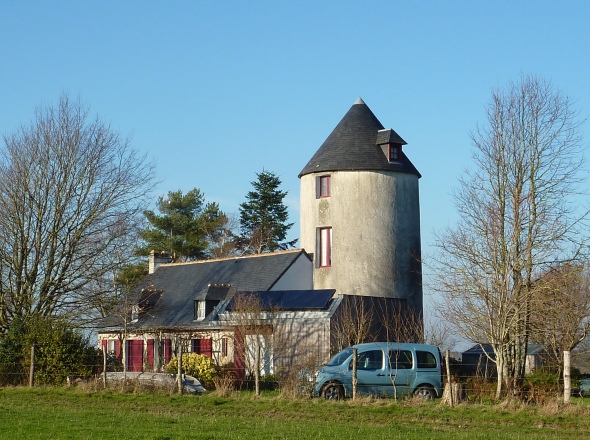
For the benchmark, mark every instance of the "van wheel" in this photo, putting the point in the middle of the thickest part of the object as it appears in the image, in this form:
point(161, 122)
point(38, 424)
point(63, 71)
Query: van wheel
point(425, 393)
point(333, 391)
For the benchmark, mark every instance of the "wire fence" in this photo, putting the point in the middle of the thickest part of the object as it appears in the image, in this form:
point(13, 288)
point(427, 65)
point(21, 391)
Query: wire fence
point(58, 364)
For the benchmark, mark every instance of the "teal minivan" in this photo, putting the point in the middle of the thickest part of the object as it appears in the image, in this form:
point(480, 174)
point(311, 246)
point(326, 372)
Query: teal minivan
point(386, 369)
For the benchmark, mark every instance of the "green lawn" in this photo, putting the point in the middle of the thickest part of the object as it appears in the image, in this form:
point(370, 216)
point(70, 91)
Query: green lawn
point(59, 413)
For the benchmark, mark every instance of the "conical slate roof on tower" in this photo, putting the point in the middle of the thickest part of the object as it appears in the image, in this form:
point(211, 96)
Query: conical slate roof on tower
point(352, 145)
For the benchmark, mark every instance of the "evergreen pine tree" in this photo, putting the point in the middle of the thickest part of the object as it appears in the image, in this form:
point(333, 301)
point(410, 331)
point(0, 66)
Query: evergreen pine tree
point(186, 226)
point(263, 217)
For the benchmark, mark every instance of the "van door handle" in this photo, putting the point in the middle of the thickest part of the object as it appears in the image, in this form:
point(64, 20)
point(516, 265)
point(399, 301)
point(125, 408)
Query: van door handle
point(380, 375)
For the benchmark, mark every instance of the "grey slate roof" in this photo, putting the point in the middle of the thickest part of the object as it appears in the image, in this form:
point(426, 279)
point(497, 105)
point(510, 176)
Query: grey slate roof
point(352, 146)
point(487, 348)
point(183, 283)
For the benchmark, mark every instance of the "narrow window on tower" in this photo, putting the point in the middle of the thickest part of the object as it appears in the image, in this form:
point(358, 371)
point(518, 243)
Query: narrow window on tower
point(325, 247)
point(322, 187)
point(325, 186)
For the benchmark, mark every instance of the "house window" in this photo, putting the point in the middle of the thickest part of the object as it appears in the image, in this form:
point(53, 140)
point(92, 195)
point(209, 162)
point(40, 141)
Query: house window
point(111, 345)
point(324, 183)
point(224, 347)
point(134, 314)
point(202, 346)
point(325, 247)
point(199, 310)
point(393, 152)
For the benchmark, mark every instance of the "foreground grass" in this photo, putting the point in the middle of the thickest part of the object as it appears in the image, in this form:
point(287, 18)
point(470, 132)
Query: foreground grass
point(59, 413)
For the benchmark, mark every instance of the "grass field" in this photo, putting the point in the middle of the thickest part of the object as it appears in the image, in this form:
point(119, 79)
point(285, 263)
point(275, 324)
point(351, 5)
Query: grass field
point(75, 413)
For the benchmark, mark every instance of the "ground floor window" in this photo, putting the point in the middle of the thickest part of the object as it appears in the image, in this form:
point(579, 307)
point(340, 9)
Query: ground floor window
point(202, 346)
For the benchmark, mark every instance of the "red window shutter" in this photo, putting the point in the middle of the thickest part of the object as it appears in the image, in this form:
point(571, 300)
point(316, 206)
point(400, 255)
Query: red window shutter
point(167, 350)
point(135, 355)
point(103, 344)
point(196, 346)
point(239, 356)
point(150, 352)
point(206, 346)
point(118, 349)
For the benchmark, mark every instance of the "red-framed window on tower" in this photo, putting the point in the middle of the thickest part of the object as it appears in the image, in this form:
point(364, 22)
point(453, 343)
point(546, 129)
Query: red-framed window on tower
point(325, 247)
point(325, 186)
point(394, 152)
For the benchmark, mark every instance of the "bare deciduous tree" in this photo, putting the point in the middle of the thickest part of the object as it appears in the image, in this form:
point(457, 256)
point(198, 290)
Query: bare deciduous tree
point(399, 321)
point(353, 323)
point(560, 317)
point(225, 241)
point(517, 215)
point(254, 334)
point(69, 187)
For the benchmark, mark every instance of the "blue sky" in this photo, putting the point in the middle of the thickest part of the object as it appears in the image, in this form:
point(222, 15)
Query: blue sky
point(215, 91)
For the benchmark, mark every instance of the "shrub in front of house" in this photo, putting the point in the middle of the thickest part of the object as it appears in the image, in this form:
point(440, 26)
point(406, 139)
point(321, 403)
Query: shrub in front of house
point(197, 365)
point(60, 352)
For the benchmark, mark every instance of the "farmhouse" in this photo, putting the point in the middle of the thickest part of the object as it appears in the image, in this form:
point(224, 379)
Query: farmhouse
point(360, 257)
point(480, 359)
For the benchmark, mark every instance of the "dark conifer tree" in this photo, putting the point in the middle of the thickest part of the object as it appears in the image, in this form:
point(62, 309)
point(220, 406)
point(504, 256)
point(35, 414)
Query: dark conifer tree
point(264, 216)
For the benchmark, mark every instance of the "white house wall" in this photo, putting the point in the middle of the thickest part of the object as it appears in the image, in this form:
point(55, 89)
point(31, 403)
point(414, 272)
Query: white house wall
point(299, 276)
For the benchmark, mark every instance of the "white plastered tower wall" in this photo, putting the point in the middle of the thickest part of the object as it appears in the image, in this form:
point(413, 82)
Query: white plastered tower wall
point(373, 210)
point(375, 221)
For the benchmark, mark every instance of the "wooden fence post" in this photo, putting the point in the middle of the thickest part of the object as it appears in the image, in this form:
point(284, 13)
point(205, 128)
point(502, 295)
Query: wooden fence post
point(448, 364)
point(354, 369)
point(567, 378)
point(104, 365)
point(453, 392)
point(32, 370)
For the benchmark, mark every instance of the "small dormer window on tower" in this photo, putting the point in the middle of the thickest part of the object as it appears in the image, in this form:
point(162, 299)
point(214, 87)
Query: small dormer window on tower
point(391, 144)
point(394, 152)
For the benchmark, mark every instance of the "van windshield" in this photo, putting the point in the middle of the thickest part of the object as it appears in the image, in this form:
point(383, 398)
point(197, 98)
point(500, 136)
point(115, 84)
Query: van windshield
point(339, 358)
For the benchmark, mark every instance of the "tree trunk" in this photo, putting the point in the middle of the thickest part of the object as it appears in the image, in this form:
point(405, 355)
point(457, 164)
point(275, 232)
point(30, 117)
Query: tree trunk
point(124, 350)
point(179, 372)
point(501, 378)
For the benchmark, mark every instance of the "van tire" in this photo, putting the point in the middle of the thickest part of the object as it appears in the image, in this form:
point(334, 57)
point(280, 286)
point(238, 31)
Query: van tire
point(425, 392)
point(333, 391)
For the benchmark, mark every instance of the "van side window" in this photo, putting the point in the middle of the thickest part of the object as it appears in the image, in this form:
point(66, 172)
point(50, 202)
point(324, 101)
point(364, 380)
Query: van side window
point(400, 360)
point(369, 360)
point(425, 359)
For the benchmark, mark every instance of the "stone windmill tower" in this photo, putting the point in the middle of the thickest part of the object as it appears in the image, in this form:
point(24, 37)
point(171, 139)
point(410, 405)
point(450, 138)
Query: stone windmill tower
point(360, 212)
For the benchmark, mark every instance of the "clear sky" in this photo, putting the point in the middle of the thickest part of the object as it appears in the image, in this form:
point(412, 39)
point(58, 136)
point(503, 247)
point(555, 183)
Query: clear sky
point(215, 91)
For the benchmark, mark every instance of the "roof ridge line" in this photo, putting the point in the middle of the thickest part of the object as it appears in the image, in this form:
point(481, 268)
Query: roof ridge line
point(240, 257)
